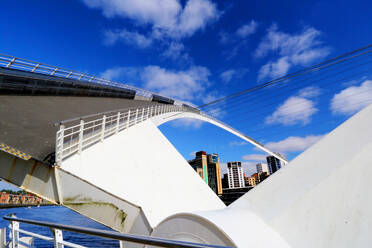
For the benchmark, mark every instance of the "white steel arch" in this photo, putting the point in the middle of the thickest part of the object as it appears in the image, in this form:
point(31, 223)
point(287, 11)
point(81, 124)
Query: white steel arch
point(125, 154)
point(158, 120)
point(75, 137)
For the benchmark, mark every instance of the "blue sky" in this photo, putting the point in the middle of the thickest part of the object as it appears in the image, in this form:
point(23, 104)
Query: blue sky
point(199, 50)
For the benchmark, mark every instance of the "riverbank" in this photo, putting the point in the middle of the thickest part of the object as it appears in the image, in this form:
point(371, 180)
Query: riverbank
point(24, 205)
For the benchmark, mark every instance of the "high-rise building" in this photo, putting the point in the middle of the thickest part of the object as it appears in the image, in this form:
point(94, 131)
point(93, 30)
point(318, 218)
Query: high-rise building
point(235, 175)
point(225, 182)
point(251, 181)
point(256, 177)
point(261, 167)
point(274, 164)
point(214, 173)
point(209, 169)
point(263, 175)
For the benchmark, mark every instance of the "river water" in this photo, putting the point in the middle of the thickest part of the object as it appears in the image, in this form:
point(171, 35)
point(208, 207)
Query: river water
point(62, 215)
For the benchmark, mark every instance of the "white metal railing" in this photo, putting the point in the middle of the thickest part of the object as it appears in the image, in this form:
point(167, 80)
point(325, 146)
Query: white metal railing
point(7, 61)
point(85, 131)
point(57, 239)
point(88, 130)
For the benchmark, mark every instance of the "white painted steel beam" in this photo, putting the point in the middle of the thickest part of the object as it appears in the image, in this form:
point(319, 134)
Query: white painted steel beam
point(158, 120)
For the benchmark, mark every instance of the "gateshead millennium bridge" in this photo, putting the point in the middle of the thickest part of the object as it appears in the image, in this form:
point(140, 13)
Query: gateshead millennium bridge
point(94, 146)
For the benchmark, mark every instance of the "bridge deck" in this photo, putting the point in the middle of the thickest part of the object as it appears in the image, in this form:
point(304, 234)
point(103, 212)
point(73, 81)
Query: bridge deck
point(27, 122)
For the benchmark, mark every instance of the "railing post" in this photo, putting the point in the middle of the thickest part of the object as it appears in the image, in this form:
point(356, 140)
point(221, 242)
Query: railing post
point(143, 114)
point(148, 111)
point(81, 132)
point(11, 62)
point(14, 232)
point(35, 68)
point(128, 119)
point(59, 144)
point(68, 75)
point(58, 238)
point(117, 123)
point(54, 71)
point(103, 128)
point(135, 120)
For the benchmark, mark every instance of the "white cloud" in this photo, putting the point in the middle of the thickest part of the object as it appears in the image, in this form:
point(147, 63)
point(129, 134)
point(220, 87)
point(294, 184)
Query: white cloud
point(117, 73)
point(211, 96)
point(242, 33)
point(238, 39)
point(223, 167)
point(293, 144)
point(255, 157)
point(217, 112)
point(176, 51)
point(310, 91)
point(188, 85)
point(187, 123)
point(274, 69)
point(249, 168)
point(196, 15)
point(247, 29)
point(352, 99)
point(230, 74)
point(226, 76)
point(131, 38)
point(224, 37)
point(249, 165)
point(166, 17)
point(296, 109)
point(293, 50)
point(160, 12)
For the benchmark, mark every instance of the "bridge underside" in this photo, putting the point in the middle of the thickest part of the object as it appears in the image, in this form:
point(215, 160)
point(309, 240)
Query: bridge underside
point(27, 122)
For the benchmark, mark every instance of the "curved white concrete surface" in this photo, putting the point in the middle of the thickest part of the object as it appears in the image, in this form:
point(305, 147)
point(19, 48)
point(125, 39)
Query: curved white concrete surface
point(142, 167)
point(320, 199)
